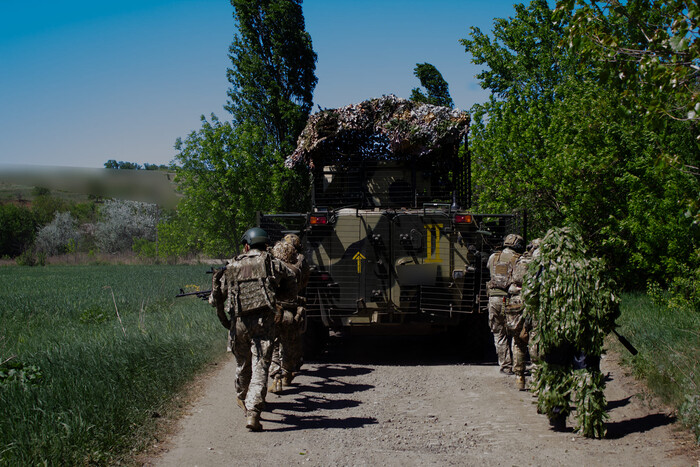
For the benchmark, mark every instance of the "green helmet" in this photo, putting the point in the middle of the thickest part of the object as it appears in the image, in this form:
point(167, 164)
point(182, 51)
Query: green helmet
point(255, 237)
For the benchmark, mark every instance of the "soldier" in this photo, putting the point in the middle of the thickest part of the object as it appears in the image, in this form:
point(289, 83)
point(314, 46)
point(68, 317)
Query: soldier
point(287, 356)
point(516, 326)
point(532, 252)
point(501, 265)
point(247, 290)
point(573, 307)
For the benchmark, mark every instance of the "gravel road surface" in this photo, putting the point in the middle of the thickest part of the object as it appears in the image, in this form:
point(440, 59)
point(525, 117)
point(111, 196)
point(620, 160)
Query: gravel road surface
point(412, 401)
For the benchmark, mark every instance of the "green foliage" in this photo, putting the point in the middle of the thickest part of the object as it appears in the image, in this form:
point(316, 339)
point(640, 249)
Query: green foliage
point(229, 171)
point(94, 314)
point(669, 351)
point(226, 175)
point(567, 294)
point(556, 142)
point(105, 383)
point(17, 229)
point(121, 165)
point(144, 248)
point(13, 371)
point(557, 387)
point(573, 306)
point(46, 206)
point(648, 49)
point(272, 69)
point(177, 237)
point(437, 90)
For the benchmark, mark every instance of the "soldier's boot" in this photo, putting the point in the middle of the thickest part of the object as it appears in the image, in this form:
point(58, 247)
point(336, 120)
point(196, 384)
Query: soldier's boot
point(557, 420)
point(521, 382)
point(252, 421)
point(287, 379)
point(276, 385)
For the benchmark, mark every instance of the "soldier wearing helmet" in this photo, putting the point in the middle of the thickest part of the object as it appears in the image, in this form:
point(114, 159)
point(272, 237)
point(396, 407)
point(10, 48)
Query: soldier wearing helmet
point(501, 265)
point(517, 327)
point(287, 356)
point(247, 290)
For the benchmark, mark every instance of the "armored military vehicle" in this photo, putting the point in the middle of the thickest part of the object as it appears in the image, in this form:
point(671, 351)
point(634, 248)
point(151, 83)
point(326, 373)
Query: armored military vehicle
point(389, 236)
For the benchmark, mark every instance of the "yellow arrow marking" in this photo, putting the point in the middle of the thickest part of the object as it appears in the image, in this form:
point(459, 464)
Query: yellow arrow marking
point(359, 257)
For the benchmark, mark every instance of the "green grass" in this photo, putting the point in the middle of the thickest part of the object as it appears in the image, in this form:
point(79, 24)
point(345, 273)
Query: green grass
point(81, 386)
point(668, 340)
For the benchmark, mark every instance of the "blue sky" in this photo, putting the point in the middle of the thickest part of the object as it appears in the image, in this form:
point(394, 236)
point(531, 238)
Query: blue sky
point(83, 82)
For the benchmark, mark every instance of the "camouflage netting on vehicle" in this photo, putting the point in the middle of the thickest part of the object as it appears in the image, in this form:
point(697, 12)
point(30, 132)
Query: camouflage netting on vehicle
point(384, 128)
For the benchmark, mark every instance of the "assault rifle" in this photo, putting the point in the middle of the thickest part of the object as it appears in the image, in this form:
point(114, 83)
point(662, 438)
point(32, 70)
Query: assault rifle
point(202, 294)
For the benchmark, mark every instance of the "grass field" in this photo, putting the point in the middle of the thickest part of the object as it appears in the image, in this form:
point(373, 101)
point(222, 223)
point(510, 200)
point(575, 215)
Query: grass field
point(91, 353)
point(668, 341)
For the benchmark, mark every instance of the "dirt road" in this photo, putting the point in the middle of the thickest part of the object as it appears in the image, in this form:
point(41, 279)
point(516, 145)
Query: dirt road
point(394, 403)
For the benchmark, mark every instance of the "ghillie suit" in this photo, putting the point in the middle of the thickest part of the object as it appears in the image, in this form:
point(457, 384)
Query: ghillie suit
point(574, 307)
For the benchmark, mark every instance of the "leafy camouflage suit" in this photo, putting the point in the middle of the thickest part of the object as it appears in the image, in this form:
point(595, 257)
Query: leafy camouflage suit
point(252, 332)
point(573, 307)
point(501, 264)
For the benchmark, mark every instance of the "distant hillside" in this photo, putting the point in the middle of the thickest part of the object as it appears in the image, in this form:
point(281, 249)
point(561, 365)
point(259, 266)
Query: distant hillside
point(80, 184)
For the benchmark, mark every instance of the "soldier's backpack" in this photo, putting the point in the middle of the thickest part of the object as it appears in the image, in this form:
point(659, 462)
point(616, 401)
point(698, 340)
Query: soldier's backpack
point(502, 269)
point(250, 285)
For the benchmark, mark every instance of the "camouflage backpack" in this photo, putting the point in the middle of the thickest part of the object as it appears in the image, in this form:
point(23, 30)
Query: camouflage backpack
point(502, 269)
point(250, 285)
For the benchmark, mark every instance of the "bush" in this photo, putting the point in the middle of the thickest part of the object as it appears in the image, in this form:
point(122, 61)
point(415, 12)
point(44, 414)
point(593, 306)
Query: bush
point(123, 221)
point(144, 248)
point(17, 229)
point(59, 236)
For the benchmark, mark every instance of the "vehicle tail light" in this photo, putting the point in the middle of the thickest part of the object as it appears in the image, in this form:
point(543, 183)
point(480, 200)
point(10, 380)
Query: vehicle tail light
point(463, 219)
point(318, 220)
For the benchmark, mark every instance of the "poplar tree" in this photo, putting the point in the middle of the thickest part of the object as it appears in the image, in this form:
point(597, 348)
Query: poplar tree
point(272, 72)
point(437, 90)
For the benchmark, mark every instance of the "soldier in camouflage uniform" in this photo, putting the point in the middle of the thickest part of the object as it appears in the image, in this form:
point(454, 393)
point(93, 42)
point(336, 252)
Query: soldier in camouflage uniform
point(244, 295)
point(287, 356)
point(517, 326)
point(501, 265)
point(573, 307)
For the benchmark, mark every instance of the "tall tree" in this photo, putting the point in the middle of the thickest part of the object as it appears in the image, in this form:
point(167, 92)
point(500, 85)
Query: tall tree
point(273, 69)
point(437, 90)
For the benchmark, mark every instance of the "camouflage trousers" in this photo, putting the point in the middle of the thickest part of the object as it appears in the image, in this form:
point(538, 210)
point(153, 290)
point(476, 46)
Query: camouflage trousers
point(287, 354)
point(497, 323)
point(252, 346)
point(514, 330)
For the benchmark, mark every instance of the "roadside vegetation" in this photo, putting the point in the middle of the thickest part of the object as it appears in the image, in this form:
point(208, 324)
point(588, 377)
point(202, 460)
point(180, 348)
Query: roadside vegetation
point(668, 340)
point(92, 356)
